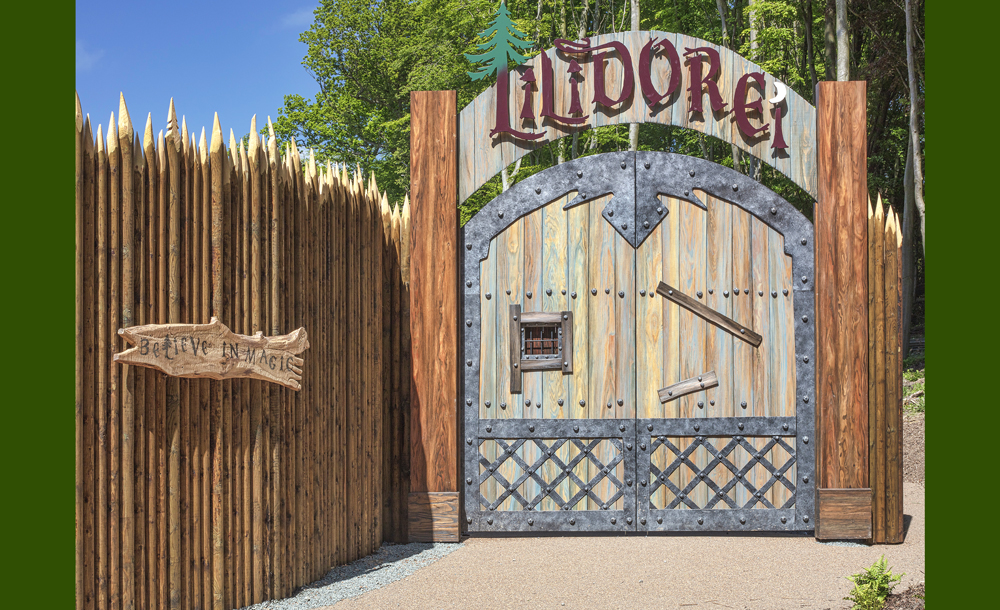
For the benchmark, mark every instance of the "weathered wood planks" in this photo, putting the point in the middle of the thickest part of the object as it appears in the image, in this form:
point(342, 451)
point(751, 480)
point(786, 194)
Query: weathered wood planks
point(434, 293)
point(167, 515)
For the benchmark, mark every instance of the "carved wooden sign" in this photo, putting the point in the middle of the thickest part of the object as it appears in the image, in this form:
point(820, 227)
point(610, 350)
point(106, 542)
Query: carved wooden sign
point(213, 351)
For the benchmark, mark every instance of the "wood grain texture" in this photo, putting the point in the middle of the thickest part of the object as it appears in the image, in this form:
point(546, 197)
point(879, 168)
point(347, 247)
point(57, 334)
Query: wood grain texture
point(433, 293)
point(702, 382)
point(844, 514)
point(841, 283)
point(708, 314)
point(433, 517)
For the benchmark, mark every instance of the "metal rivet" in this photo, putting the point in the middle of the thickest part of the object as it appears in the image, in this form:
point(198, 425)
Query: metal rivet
point(805, 479)
point(548, 291)
point(805, 359)
point(642, 521)
point(628, 446)
point(527, 403)
point(740, 425)
point(711, 291)
point(560, 402)
point(804, 279)
point(468, 480)
point(468, 322)
point(624, 226)
point(623, 165)
point(576, 428)
point(699, 378)
point(468, 401)
point(621, 427)
point(743, 519)
point(572, 521)
point(572, 294)
point(503, 405)
point(698, 294)
point(659, 519)
point(760, 293)
point(701, 475)
point(593, 291)
point(659, 210)
point(531, 521)
point(487, 404)
point(607, 291)
point(583, 403)
point(564, 292)
point(784, 519)
point(645, 224)
point(468, 363)
point(701, 404)
point(468, 440)
point(642, 293)
point(621, 293)
point(620, 402)
point(743, 331)
point(700, 521)
point(784, 291)
point(670, 392)
point(743, 404)
point(805, 318)
point(711, 402)
point(611, 212)
point(489, 295)
point(646, 165)
point(686, 193)
point(642, 446)
point(691, 173)
point(613, 520)
point(670, 292)
point(531, 428)
point(538, 191)
point(500, 214)
point(697, 427)
point(468, 246)
point(489, 428)
point(579, 174)
point(681, 496)
point(805, 439)
point(784, 427)
point(468, 284)
point(736, 187)
point(515, 365)
point(746, 291)
point(774, 210)
point(805, 399)
point(805, 519)
point(609, 404)
point(774, 294)
point(490, 521)
point(515, 318)
point(528, 294)
point(604, 507)
point(628, 519)
point(649, 427)
point(508, 291)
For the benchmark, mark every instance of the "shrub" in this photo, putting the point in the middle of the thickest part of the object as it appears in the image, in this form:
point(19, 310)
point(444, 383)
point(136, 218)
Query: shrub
point(872, 586)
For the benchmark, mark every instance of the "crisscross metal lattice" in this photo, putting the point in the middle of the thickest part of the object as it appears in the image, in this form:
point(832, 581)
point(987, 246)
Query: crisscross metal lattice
point(720, 457)
point(548, 449)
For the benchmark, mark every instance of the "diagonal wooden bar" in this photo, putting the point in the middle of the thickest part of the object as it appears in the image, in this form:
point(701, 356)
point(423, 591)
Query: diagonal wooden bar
point(708, 314)
point(688, 386)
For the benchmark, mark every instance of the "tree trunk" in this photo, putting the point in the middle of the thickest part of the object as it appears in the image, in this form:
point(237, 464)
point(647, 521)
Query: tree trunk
point(633, 129)
point(918, 170)
point(830, 38)
point(737, 158)
point(909, 288)
point(580, 34)
point(843, 45)
point(809, 47)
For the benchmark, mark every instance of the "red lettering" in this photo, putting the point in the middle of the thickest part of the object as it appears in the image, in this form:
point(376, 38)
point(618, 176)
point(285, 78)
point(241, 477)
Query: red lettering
point(503, 116)
point(646, 70)
point(699, 83)
point(741, 105)
point(547, 89)
point(628, 81)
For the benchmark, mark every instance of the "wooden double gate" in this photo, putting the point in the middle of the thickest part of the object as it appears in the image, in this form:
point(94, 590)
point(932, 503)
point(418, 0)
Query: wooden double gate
point(645, 329)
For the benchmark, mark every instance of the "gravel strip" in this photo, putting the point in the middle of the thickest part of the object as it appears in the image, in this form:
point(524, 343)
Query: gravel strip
point(390, 563)
point(913, 448)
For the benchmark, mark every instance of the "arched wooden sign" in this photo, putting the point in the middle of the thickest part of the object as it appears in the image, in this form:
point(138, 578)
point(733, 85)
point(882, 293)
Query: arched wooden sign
point(636, 77)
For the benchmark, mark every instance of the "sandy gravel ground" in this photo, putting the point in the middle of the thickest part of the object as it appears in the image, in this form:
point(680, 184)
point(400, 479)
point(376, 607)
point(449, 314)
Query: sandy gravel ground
point(644, 572)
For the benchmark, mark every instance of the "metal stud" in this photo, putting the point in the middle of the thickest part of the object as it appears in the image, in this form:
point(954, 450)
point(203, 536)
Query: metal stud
point(645, 224)
point(500, 214)
point(649, 427)
point(515, 365)
point(621, 293)
point(698, 294)
point(468, 283)
point(468, 480)
point(805, 318)
point(564, 292)
point(774, 294)
point(490, 520)
point(700, 521)
point(681, 496)
point(503, 405)
point(642, 293)
point(784, 291)
point(697, 427)
point(736, 187)
point(628, 446)
point(613, 520)
point(468, 322)
point(538, 191)
point(642, 446)
point(743, 404)
point(784, 427)
point(572, 521)
point(579, 174)
point(548, 292)
point(743, 520)
point(646, 165)
point(611, 212)
point(628, 519)
point(527, 403)
point(468, 401)
point(659, 519)
point(609, 404)
point(691, 173)
point(508, 291)
point(468, 440)
point(489, 296)
point(701, 404)
point(468, 246)
point(711, 402)
point(621, 427)
point(583, 403)
point(560, 402)
point(804, 279)
point(711, 291)
point(593, 291)
point(659, 210)
point(805, 519)
point(760, 293)
point(515, 318)
point(572, 294)
point(774, 210)
point(528, 294)
point(620, 402)
point(805, 439)
point(784, 519)
point(576, 428)
point(531, 428)
point(805, 399)
point(468, 363)
point(607, 291)
point(624, 226)
point(531, 521)
point(746, 291)
point(670, 292)
point(805, 479)
point(740, 425)
point(805, 359)
point(623, 165)
point(699, 377)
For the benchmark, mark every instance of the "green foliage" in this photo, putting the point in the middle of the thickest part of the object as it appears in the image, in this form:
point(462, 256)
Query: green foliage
point(872, 586)
point(500, 48)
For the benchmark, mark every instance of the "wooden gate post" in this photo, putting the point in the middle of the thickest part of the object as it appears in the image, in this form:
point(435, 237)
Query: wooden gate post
point(844, 494)
point(433, 499)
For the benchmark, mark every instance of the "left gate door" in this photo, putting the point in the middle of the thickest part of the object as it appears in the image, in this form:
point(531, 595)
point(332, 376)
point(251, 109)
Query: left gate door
point(551, 445)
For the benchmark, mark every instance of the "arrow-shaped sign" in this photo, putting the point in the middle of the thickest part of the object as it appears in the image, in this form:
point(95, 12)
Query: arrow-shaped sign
point(213, 351)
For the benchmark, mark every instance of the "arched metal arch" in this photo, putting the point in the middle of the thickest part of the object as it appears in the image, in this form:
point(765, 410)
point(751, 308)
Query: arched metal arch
point(652, 174)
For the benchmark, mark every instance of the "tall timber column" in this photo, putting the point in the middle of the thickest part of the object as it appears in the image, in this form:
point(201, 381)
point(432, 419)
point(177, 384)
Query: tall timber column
point(433, 500)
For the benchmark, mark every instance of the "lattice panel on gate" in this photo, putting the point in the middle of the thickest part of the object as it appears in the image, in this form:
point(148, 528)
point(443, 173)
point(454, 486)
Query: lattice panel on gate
point(730, 472)
point(551, 474)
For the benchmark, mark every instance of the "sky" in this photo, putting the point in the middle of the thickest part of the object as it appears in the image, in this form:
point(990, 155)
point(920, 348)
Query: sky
point(235, 58)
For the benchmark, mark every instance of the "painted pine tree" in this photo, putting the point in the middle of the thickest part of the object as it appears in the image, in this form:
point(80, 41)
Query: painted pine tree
point(503, 40)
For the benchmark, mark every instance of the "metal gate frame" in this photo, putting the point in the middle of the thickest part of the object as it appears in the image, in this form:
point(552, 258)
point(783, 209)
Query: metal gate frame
point(636, 179)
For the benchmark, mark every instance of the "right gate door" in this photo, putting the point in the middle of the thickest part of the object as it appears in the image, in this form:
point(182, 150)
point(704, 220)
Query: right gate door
point(720, 427)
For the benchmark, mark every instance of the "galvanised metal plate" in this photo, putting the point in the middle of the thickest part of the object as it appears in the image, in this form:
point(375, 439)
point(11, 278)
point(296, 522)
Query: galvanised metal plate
point(636, 180)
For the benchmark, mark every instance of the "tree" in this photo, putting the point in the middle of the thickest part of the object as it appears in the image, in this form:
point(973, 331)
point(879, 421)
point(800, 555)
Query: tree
point(501, 46)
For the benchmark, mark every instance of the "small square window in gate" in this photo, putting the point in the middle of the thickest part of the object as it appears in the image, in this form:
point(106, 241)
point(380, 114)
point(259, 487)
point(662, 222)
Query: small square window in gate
point(540, 341)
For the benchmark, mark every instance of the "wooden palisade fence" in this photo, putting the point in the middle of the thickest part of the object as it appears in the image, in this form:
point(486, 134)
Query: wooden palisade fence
point(885, 374)
point(194, 493)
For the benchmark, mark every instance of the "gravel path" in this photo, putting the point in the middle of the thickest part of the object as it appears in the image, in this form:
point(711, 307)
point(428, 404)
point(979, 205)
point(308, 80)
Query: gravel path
point(913, 448)
point(389, 564)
